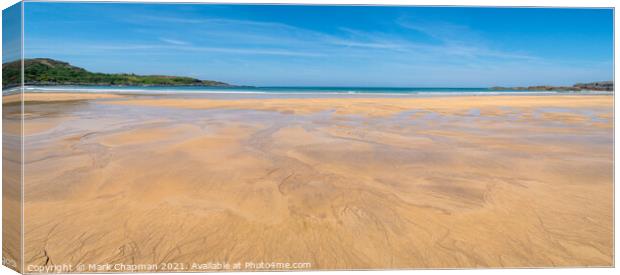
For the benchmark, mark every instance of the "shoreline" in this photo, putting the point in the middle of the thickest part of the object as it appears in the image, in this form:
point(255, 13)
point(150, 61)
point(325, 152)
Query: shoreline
point(296, 91)
point(36, 95)
point(84, 95)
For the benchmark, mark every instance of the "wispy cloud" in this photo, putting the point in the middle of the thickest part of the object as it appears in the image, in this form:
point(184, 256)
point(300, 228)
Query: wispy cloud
point(275, 38)
point(460, 40)
point(173, 41)
point(441, 30)
point(253, 51)
point(210, 21)
point(248, 37)
point(87, 47)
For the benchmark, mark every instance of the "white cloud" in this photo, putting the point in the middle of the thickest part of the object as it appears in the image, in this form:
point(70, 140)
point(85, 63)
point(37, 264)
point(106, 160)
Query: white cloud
point(173, 41)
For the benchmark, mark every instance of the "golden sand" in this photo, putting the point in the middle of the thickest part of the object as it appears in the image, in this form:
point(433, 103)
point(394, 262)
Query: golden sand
point(355, 183)
point(47, 97)
point(376, 107)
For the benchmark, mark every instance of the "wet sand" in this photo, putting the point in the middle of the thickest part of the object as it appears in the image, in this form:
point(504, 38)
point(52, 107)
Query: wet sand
point(358, 183)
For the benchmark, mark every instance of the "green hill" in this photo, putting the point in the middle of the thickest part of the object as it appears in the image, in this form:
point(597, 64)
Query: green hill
point(45, 71)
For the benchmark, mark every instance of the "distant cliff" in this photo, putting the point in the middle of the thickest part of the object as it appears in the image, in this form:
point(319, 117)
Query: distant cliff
point(45, 71)
point(592, 86)
point(597, 86)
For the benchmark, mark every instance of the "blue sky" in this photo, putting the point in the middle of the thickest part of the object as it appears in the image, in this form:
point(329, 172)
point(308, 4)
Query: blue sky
point(267, 45)
point(11, 33)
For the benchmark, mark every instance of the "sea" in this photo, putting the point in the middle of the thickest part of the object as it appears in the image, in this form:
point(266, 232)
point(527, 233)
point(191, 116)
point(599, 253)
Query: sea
point(296, 91)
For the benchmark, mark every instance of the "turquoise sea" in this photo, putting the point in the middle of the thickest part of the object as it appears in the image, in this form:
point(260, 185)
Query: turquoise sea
point(292, 91)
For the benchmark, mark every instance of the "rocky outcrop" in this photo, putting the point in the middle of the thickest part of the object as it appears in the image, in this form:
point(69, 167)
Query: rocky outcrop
point(592, 86)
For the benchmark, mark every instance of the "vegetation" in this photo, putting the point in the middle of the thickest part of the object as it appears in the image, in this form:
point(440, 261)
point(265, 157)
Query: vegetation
point(592, 86)
point(45, 71)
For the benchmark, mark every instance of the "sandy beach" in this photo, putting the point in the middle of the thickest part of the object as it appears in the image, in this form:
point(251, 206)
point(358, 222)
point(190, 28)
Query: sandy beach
point(355, 183)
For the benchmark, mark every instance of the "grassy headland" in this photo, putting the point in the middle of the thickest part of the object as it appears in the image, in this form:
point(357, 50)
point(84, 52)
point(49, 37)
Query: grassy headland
point(46, 71)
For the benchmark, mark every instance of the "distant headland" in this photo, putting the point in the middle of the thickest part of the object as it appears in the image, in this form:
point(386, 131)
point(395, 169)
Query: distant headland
point(592, 86)
point(47, 71)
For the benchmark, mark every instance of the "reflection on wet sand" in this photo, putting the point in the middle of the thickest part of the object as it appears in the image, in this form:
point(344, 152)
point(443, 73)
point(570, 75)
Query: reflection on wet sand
point(506, 181)
point(11, 184)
